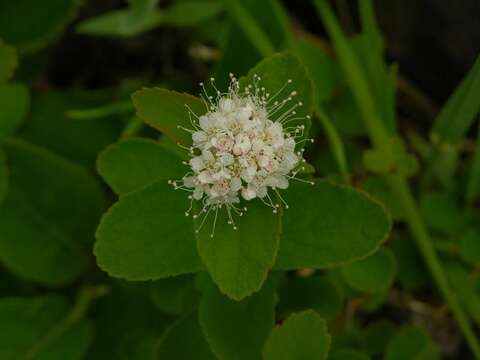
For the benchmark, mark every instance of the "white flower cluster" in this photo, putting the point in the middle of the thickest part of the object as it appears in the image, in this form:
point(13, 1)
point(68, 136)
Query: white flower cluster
point(238, 151)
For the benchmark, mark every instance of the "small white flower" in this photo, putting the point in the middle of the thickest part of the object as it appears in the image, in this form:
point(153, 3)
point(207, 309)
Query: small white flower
point(239, 150)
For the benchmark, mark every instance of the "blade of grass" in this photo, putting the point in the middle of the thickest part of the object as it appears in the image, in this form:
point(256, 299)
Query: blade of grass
point(379, 77)
point(458, 114)
point(398, 183)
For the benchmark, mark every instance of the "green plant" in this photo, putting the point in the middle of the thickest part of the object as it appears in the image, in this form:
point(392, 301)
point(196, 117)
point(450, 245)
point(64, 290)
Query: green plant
point(291, 248)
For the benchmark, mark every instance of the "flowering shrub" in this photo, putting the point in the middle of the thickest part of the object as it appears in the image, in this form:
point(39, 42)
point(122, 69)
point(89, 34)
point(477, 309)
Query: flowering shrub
point(282, 209)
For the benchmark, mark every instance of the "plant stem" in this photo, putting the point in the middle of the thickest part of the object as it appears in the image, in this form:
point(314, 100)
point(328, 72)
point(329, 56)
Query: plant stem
point(132, 128)
point(398, 183)
point(86, 296)
point(336, 144)
point(402, 191)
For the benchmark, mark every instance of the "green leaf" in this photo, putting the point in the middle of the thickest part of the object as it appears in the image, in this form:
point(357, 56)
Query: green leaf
point(190, 13)
point(8, 62)
point(237, 330)
point(239, 260)
point(121, 23)
point(3, 175)
point(143, 17)
point(135, 163)
point(328, 225)
point(302, 336)
point(41, 328)
point(129, 306)
point(460, 111)
point(166, 110)
point(140, 7)
point(174, 295)
point(14, 105)
point(377, 335)
point(146, 235)
point(316, 292)
point(79, 141)
point(275, 72)
point(40, 24)
point(464, 288)
point(184, 341)
point(411, 342)
point(470, 246)
point(49, 215)
point(347, 355)
point(372, 274)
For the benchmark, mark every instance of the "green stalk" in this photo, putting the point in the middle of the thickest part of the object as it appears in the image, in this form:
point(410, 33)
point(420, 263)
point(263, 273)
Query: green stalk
point(132, 128)
point(398, 183)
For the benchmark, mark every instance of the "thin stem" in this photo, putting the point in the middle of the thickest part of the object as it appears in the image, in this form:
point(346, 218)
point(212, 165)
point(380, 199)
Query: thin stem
point(403, 194)
point(336, 144)
point(132, 128)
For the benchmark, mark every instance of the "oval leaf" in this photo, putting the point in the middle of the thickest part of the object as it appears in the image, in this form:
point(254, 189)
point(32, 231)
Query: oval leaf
point(282, 74)
point(302, 336)
point(237, 330)
point(327, 225)
point(372, 274)
point(133, 164)
point(411, 342)
point(146, 235)
point(40, 24)
point(48, 216)
point(239, 260)
point(165, 110)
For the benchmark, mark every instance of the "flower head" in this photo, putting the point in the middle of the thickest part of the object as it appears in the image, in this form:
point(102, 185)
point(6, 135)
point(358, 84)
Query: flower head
point(239, 152)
